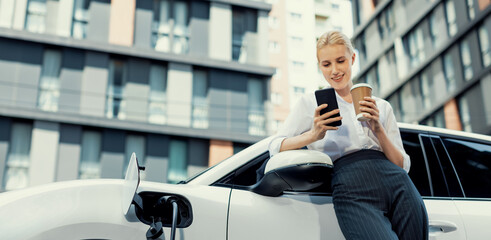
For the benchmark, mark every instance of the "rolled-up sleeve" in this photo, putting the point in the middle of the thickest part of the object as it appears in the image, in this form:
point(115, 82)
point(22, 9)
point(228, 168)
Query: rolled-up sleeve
point(298, 121)
point(395, 136)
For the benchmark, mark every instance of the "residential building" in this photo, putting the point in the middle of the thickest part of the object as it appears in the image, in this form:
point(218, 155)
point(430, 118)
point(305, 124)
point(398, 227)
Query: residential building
point(85, 83)
point(430, 59)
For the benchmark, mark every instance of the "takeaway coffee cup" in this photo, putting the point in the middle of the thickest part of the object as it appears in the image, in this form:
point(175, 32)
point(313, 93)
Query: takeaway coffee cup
point(358, 93)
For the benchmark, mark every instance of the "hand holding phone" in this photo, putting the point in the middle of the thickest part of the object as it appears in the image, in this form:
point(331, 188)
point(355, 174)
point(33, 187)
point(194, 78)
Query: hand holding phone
point(328, 96)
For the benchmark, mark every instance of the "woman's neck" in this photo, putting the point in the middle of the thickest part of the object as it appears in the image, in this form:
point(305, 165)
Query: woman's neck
point(345, 94)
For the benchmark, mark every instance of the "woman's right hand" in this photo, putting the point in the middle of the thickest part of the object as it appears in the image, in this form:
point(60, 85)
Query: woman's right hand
point(318, 131)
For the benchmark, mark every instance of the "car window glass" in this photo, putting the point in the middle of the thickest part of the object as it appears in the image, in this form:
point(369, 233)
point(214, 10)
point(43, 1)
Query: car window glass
point(453, 184)
point(473, 164)
point(437, 182)
point(418, 172)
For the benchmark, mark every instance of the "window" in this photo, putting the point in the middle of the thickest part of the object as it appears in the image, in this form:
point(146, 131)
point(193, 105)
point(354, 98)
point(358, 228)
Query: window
point(274, 47)
point(424, 85)
point(170, 27)
point(448, 67)
point(49, 84)
point(297, 65)
point(416, 47)
point(35, 16)
point(257, 119)
point(436, 120)
point(386, 22)
point(297, 93)
point(90, 162)
point(418, 171)
point(244, 20)
point(472, 162)
point(135, 144)
point(465, 115)
point(178, 158)
point(274, 23)
point(435, 32)
point(6, 13)
point(18, 160)
point(276, 98)
point(157, 107)
point(465, 54)
point(200, 99)
point(80, 18)
point(471, 9)
point(438, 187)
point(485, 46)
point(296, 17)
point(115, 102)
point(451, 18)
point(335, 6)
point(296, 41)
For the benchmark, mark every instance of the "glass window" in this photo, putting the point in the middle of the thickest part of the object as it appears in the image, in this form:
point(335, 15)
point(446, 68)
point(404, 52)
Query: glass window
point(425, 88)
point(465, 115)
point(451, 179)
point(472, 162)
point(471, 9)
point(408, 103)
point(274, 47)
point(178, 158)
point(135, 144)
point(257, 119)
point(6, 13)
point(200, 99)
point(115, 102)
point(416, 47)
point(297, 93)
point(485, 46)
point(49, 84)
point(18, 160)
point(448, 67)
point(451, 18)
point(170, 27)
point(435, 32)
point(418, 171)
point(157, 107)
point(80, 18)
point(244, 20)
point(465, 54)
point(438, 186)
point(36, 16)
point(90, 162)
point(274, 23)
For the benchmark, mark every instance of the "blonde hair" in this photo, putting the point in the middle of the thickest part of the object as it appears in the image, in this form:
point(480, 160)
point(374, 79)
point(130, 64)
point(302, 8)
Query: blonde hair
point(335, 38)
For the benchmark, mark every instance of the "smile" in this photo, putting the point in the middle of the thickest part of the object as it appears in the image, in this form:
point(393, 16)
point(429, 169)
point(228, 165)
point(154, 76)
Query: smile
point(337, 78)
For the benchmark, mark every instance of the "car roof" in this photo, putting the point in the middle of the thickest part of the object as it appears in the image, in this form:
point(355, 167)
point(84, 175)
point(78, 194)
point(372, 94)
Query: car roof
point(444, 132)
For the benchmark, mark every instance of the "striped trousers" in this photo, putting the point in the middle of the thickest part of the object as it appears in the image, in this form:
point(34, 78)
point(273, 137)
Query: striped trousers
point(375, 199)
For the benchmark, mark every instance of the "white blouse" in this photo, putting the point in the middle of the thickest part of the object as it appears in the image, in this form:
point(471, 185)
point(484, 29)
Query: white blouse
point(351, 136)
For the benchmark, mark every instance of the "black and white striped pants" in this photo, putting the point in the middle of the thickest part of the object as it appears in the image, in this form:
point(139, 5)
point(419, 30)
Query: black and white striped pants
point(375, 199)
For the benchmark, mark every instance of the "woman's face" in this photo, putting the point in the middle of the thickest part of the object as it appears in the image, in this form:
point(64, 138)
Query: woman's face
point(335, 63)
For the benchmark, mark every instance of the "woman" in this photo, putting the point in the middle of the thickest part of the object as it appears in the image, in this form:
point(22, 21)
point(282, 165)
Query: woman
point(373, 196)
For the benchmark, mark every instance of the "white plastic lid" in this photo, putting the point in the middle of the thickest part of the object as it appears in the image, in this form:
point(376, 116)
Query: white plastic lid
point(360, 85)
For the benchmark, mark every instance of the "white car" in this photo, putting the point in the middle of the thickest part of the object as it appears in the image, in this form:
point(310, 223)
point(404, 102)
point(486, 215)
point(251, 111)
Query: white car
point(291, 200)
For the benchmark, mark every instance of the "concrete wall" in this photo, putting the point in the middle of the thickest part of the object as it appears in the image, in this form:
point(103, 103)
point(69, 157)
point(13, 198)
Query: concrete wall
point(179, 94)
point(122, 22)
point(44, 152)
point(220, 34)
point(94, 84)
point(99, 19)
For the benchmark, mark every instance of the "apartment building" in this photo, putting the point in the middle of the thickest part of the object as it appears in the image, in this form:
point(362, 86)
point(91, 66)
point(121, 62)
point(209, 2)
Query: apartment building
point(294, 27)
point(430, 59)
point(84, 83)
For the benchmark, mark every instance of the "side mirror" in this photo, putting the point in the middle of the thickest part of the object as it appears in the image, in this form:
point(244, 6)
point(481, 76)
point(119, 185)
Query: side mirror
point(295, 170)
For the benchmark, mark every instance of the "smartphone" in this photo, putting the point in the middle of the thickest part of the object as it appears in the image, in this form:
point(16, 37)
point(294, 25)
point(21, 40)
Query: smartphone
point(328, 96)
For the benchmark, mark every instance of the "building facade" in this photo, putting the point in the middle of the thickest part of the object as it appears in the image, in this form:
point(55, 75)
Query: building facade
point(294, 27)
point(430, 59)
point(84, 83)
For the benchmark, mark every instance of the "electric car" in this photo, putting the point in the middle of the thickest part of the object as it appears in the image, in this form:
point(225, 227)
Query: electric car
point(253, 196)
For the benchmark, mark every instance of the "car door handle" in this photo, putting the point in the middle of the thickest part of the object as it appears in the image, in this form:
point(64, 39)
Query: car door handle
point(442, 227)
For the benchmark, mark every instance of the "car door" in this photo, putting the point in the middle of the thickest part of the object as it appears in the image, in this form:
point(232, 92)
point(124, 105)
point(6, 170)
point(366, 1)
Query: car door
point(472, 162)
point(293, 215)
point(428, 174)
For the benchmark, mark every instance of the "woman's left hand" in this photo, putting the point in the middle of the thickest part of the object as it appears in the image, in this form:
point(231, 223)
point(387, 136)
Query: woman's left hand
point(369, 106)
